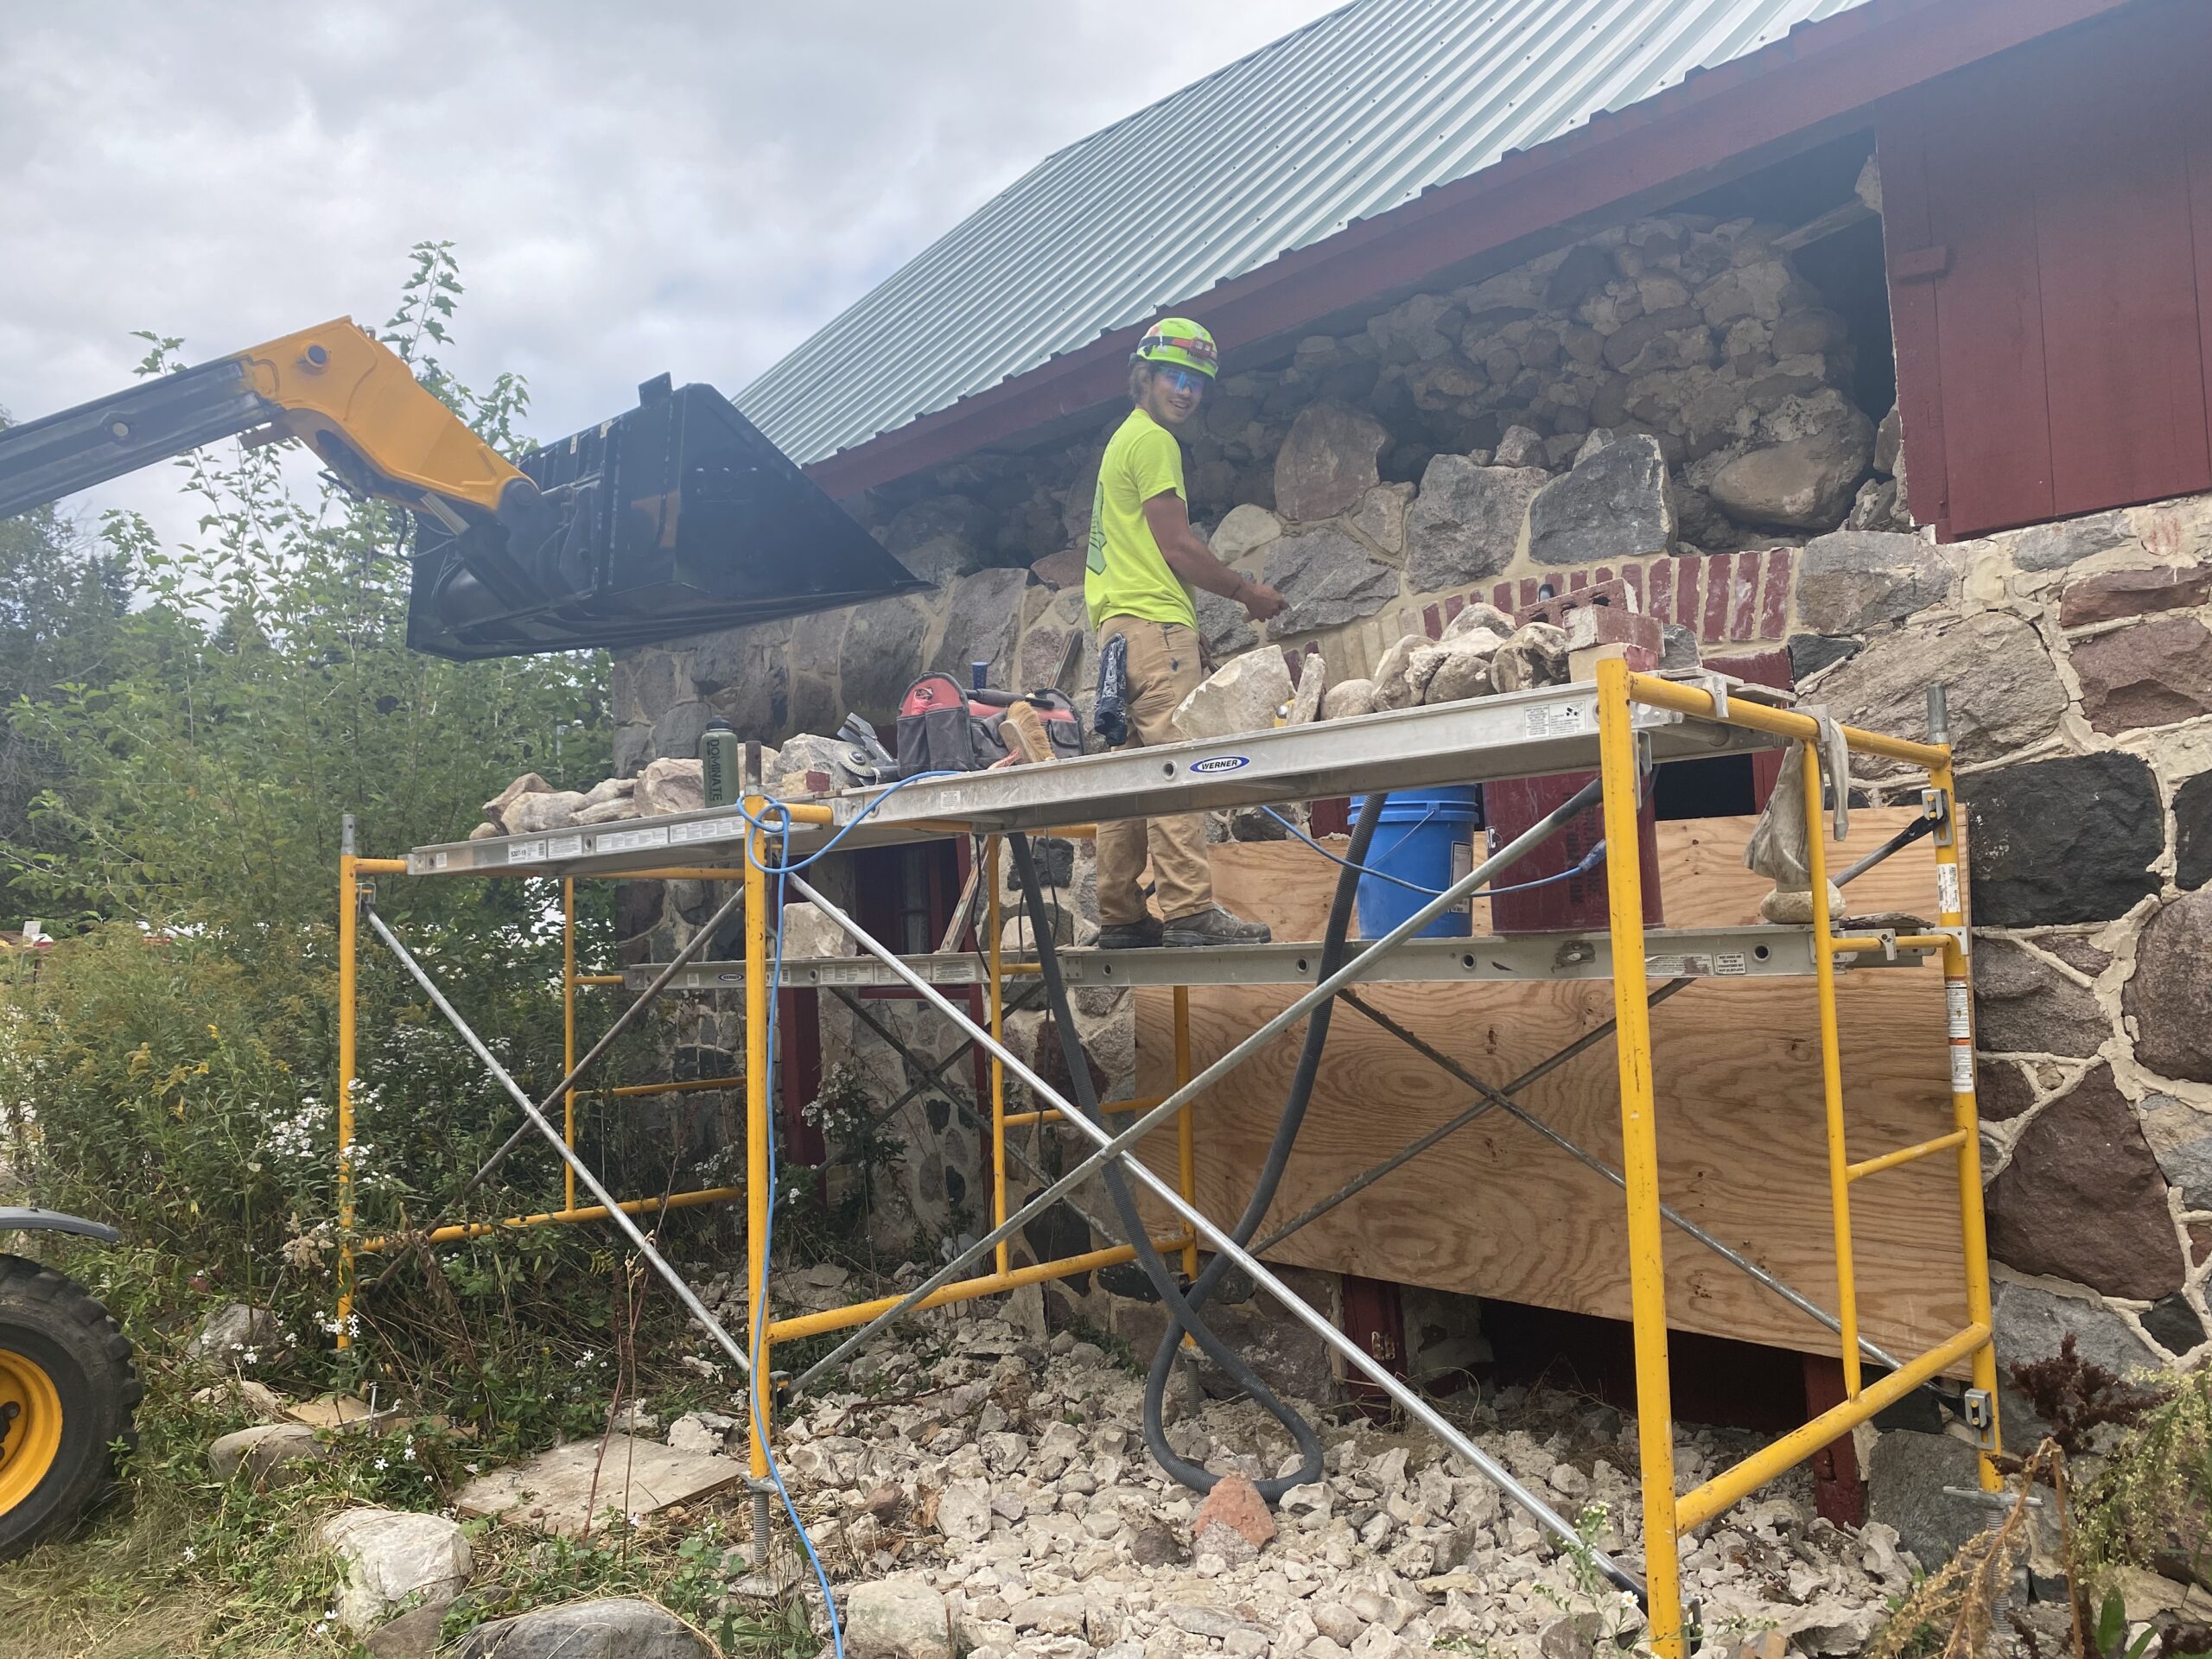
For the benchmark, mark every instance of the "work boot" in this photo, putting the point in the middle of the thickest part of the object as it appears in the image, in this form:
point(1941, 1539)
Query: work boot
point(1142, 935)
point(1214, 925)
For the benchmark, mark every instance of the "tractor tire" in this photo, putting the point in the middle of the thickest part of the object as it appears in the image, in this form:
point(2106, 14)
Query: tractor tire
point(68, 1393)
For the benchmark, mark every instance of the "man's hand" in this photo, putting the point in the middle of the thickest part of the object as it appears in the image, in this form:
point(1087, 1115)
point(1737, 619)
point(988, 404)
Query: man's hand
point(1260, 602)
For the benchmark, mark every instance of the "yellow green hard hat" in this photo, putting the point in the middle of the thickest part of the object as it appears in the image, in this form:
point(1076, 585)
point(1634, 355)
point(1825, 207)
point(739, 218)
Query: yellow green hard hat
point(1178, 339)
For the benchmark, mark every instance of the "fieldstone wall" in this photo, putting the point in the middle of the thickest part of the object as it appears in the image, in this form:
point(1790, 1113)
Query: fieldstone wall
point(2085, 759)
point(1667, 403)
point(1375, 469)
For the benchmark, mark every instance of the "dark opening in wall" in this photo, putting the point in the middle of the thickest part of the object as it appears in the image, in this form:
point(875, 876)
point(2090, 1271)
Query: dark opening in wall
point(1816, 195)
point(1723, 787)
point(905, 895)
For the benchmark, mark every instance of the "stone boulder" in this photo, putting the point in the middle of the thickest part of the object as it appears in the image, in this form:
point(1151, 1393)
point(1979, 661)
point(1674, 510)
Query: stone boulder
point(2110, 595)
point(1312, 686)
point(234, 1330)
point(744, 674)
point(1853, 582)
point(1381, 516)
point(1612, 504)
point(647, 681)
point(1679, 650)
point(2024, 1006)
point(1348, 699)
point(2053, 547)
point(2083, 1200)
point(808, 933)
point(1046, 646)
point(1879, 505)
point(2065, 840)
point(1889, 438)
point(415, 1634)
point(899, 1617)
point(670, 785)
point(1465, 671)
point(1478, 618)
point(391, 1559)
point(1063, 572)
point(1811, 652)
point(1328, 578)
point(880, 655)
point(1327, 463)
point(1224, 626)
point(268, 1454)
point(678, 729)
point(1404, 672)
point(982, 618)
point(1242, 694)
point(620, 1627)
point(2153, 674)
point(2001, 1089)
point(2004, 692)
point(940, 538)
point(534, 814)
point(1908, 1484)
point(2169, 996)
point(2181, 1139)
point(785, 770)
point(2193, 831)
point(529, 783)
point(701, 1433)
point(1519, 447)
point(1805, 483)
point(1467, 521)
point(1414, 330)
point(964, 1509)
point(1233, 1522)
point(1245, 529)
point(1535, 655)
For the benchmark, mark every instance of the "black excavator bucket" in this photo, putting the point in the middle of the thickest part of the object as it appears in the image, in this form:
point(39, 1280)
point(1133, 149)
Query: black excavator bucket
point(676, 519)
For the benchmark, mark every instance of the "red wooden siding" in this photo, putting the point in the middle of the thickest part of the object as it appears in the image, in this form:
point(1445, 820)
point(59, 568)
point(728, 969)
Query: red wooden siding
point(2048, 214)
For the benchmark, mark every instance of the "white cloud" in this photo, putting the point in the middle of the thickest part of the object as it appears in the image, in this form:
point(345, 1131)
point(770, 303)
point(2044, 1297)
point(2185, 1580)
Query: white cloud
point(632, 189)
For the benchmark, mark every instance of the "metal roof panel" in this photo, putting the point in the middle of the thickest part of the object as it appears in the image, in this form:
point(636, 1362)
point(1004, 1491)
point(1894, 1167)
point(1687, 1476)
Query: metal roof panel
point(1354, 114)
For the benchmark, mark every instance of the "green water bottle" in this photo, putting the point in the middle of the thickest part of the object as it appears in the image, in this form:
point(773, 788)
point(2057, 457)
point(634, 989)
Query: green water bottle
point(720, 765)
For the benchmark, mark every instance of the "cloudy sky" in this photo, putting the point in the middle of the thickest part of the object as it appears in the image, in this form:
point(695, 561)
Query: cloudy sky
point(632, 188)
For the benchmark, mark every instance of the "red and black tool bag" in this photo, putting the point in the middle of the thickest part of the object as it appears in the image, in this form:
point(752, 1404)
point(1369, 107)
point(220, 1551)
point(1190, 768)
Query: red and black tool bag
point(944, 728)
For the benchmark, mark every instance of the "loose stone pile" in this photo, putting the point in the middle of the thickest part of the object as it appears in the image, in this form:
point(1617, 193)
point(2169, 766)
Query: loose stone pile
point(1003, 1489)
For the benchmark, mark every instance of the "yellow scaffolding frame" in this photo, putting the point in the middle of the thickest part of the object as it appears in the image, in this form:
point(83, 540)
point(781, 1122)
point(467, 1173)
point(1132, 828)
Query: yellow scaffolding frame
point(353, 888)
point(1668, 1516)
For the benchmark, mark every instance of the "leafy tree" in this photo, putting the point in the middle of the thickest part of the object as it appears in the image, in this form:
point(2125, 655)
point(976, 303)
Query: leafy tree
point(61, 604)
point(261, 689)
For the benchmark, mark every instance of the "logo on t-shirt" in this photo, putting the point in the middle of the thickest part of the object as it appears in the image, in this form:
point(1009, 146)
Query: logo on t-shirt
point(1095, 559)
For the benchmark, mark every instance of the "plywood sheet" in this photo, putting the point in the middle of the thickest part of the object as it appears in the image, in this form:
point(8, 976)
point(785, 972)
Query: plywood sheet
point(1495, 1211)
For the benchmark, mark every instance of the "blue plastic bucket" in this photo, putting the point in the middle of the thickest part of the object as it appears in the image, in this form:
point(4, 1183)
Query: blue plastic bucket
point(1424, 836)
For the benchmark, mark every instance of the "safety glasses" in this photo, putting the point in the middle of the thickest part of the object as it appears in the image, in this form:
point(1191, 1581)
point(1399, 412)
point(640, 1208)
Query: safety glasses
point(1184, 379)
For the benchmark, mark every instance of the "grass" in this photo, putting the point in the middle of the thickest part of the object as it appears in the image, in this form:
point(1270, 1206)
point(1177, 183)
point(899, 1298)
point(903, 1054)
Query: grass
point(183, 1566)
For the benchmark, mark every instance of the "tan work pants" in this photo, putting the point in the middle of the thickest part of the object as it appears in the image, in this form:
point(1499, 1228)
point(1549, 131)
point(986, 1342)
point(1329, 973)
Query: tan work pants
point(1164, 668)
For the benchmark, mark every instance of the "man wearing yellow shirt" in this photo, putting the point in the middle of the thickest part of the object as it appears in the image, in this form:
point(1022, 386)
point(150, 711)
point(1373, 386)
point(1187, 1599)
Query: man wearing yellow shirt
point(1143, 561)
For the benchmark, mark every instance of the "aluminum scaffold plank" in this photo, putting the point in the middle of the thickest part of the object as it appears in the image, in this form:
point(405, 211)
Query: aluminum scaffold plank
point(1531, 734)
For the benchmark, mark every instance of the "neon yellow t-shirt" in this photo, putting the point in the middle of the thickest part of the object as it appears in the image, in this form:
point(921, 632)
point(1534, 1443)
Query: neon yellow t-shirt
point(1124, 573)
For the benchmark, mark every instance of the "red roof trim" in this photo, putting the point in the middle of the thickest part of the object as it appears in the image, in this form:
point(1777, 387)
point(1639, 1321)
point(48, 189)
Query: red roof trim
point(1817, 73)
